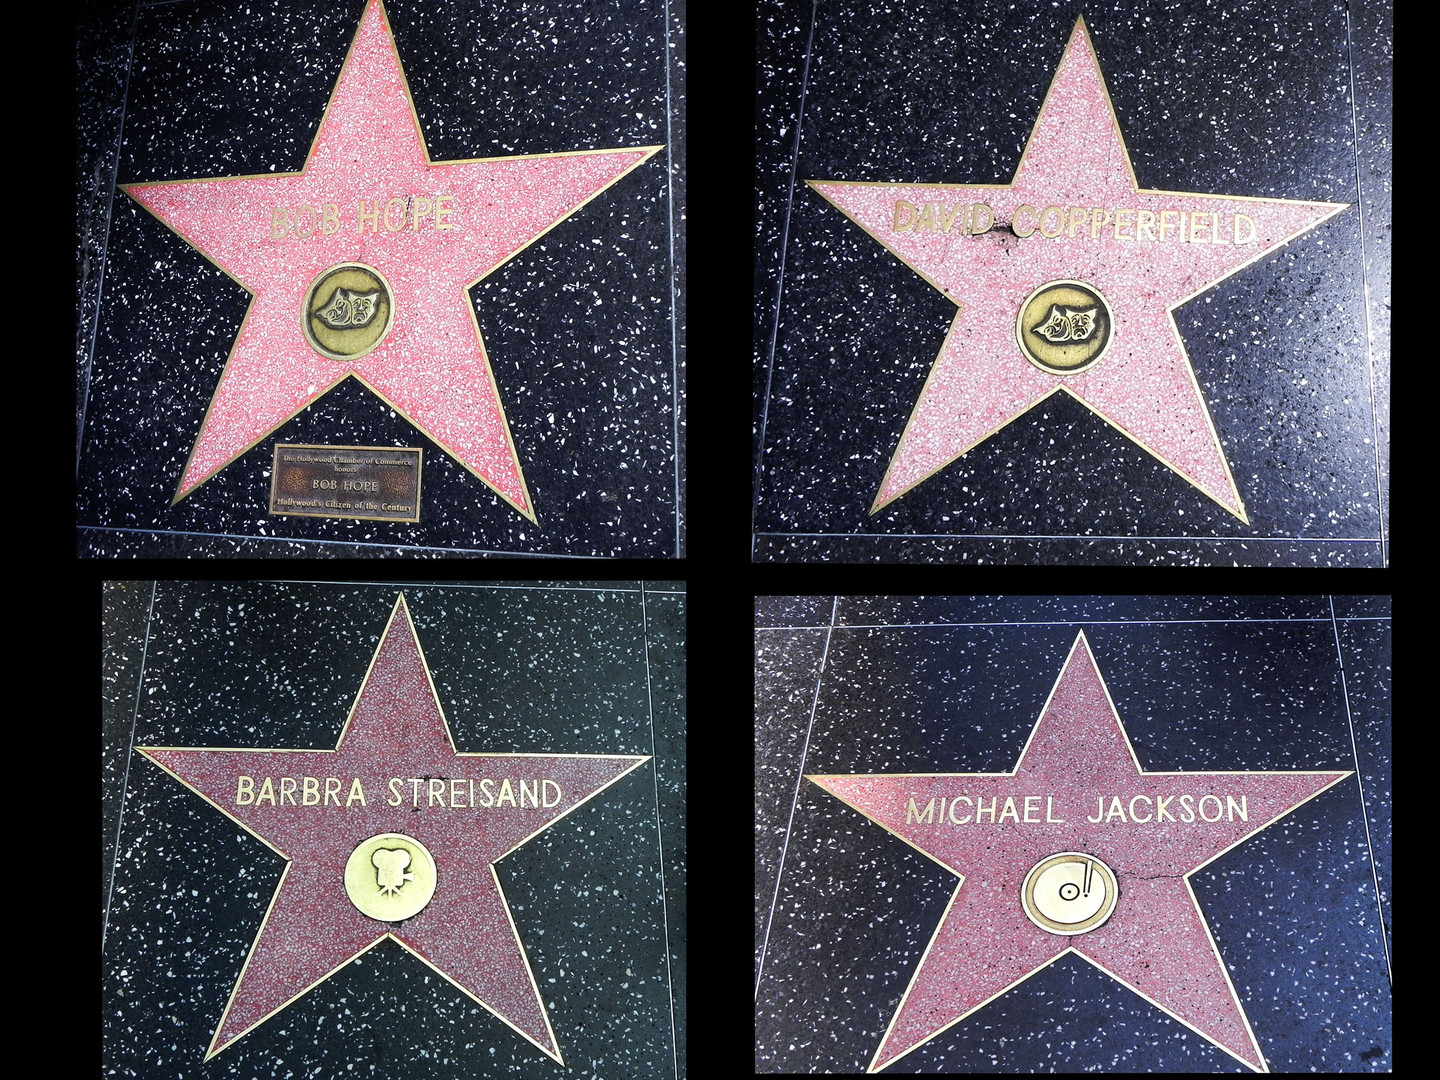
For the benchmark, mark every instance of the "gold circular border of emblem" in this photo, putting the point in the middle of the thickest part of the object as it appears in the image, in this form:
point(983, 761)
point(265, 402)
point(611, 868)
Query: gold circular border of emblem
point(1070, 929)
point(1085, 363)
point(363, 888)
point(306, 315)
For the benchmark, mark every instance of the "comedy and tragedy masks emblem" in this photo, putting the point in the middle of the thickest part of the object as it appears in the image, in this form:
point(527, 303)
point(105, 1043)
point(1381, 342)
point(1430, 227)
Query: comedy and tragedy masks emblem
point(348, 310)
point(1067, 324)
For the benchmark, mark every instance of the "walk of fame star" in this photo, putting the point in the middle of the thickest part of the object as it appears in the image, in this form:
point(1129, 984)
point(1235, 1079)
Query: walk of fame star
point(1066, 281)
point(395, 809)
point(1078, 850)
point(389, 244)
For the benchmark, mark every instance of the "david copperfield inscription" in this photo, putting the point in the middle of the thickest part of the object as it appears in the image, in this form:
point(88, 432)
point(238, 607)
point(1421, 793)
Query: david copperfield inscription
point(1078, 850)
point(391, 835)
point(1065, 280)
point(360, 266)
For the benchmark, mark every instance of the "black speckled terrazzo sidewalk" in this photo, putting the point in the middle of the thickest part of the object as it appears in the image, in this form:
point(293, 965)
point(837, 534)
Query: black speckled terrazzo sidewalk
point(1290, 354)
point(869, 944)
point(596, 899)
point(581, 329)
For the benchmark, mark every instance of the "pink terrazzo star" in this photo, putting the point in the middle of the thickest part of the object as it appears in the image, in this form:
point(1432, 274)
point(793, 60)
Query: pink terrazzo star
point(432, 229)
point(396, 730)
point(1166, 247)
point(1078, 758)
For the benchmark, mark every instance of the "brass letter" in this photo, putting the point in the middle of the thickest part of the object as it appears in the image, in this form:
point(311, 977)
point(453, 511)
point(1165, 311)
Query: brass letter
point(309, 225)
point(372, 216)
point(395, 203)
point(443, 210)
point(1134, 816)
point(914, 817)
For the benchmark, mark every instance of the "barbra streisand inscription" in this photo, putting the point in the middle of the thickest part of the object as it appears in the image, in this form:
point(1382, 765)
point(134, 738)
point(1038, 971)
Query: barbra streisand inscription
point(1138, 809)
point(423, 791)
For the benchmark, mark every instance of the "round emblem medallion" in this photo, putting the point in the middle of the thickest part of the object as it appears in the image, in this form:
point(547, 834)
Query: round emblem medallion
point(1064, 327)
point(1069, 893)
point(348, 310)
point(390, 877)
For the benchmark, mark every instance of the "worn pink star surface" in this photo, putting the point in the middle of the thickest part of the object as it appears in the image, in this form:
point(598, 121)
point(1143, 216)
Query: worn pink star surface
point(1153, 830)
point(369, 194)
point(1072, 212)
point(396, 746)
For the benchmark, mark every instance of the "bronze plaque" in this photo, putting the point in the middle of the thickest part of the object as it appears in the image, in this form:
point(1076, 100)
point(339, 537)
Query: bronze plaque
point(374, 482)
